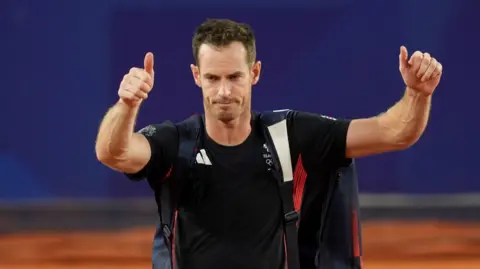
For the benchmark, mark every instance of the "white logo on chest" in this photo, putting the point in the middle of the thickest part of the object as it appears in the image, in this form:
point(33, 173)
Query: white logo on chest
point(267, 156)
point(202, 158)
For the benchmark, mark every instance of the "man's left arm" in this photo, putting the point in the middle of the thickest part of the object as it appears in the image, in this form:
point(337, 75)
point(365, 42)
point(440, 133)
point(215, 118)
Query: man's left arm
point(404, 123)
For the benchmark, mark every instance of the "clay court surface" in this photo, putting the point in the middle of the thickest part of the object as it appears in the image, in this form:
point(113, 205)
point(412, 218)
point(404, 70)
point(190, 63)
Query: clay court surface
point(392, 245)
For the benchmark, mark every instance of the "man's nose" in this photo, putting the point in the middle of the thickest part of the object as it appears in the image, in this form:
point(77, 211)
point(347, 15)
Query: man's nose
point(225, 89)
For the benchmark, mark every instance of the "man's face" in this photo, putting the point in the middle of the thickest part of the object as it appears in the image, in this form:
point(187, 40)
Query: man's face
point(226, 79)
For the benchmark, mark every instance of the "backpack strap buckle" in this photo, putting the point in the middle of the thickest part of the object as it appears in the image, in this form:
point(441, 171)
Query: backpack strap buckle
point(291, 217)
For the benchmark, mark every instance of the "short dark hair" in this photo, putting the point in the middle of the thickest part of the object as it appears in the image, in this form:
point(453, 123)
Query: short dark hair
point(223, 32)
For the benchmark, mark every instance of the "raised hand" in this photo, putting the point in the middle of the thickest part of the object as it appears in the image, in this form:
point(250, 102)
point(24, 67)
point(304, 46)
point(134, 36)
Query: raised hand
point(137, 84)
point(421, 73)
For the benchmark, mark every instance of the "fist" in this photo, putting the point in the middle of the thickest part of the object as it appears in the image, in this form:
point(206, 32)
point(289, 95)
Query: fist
point(136, 85)
point(421, 73)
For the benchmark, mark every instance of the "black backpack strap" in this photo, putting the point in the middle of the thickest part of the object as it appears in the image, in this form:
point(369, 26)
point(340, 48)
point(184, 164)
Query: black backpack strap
point(340, 232)
point(276, 134)
point(171, 191)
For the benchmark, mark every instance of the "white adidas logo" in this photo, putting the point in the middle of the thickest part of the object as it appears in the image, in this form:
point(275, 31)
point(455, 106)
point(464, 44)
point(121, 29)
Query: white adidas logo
point(202, 158)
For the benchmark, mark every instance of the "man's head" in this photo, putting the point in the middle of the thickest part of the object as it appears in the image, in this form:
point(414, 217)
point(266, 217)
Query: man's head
point(226, 67)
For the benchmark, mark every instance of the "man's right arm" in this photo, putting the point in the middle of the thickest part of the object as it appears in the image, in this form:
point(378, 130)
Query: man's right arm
point(117, 146)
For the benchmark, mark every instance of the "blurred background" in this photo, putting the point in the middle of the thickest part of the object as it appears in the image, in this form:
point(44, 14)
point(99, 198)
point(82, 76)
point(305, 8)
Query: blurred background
point(62, 62)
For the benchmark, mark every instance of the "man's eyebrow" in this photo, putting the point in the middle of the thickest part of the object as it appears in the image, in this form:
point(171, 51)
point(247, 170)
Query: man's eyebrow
point(237, 73)
point(209, 75)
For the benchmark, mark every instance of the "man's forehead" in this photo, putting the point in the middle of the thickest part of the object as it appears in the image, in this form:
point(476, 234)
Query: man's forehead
point(234, 53)
point(234, 47)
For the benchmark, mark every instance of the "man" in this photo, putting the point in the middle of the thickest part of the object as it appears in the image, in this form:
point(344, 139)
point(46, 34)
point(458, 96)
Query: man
point(238, 223)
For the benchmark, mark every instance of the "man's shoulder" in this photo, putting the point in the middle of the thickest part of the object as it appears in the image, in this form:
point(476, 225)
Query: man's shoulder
point(270, 117)
point(190, 127)
point(292, 113)
point(188, 123)
point(194, 119)
point(154, 129)
point(161, 136)
point(297, 119)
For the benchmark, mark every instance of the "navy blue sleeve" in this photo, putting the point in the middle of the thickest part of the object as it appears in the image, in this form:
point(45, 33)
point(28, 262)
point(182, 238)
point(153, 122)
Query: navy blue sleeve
point(163, 140)
point(321, 138)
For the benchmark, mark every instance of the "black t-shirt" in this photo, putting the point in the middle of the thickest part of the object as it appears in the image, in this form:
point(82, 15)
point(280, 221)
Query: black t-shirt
point(238, 221)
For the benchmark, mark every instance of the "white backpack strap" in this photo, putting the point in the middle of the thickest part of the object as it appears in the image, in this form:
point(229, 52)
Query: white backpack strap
point(279, 134)
point(276, 123)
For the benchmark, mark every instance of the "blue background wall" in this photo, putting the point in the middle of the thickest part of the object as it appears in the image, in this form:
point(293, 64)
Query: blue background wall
point(62, 61)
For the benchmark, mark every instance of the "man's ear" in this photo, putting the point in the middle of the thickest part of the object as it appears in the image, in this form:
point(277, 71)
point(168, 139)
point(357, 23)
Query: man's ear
point(196, 74)
point(256, 70)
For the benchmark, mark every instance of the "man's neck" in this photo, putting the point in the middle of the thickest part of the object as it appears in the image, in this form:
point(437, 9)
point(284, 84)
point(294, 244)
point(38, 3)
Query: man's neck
point(230, 133)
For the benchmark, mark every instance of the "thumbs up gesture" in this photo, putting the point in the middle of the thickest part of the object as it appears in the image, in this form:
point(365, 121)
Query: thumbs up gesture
point(421, 72)
point(137, 84)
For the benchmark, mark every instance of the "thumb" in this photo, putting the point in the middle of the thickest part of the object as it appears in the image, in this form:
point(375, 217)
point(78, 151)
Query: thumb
point(148, 63)
point(403, 58)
